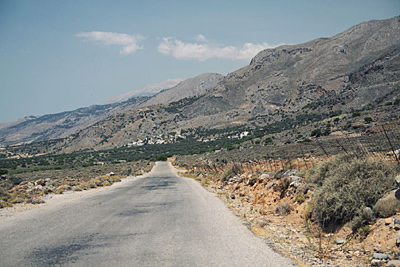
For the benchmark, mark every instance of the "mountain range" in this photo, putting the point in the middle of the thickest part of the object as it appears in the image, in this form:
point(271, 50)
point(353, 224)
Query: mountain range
point(356, 70)
point(148, 90)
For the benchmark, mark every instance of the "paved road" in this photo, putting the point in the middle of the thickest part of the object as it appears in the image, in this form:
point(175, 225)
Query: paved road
point(156, 220)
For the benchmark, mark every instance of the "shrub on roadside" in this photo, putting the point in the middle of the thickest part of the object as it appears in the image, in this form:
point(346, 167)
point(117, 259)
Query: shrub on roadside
point(231, 171)
point(347, 185)
point(283, 208)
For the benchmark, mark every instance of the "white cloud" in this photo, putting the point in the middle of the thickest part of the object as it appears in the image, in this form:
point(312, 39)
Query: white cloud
point(128, 42)
point(202, 52)
point(201, 38)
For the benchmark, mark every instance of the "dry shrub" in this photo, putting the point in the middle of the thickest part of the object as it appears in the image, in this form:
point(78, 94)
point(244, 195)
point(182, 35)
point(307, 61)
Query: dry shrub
point(231, 171)
point(347, 186)
point(283, 208)
point(282, 186)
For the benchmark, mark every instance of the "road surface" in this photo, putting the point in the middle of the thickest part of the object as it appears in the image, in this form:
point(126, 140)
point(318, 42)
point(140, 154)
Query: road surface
point(159, 219)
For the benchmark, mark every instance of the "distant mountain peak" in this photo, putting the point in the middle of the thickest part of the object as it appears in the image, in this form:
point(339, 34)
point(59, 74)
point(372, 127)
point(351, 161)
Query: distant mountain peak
point(191, 87)
point(150, 89)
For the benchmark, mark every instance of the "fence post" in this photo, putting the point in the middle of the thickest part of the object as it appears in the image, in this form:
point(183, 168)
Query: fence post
point(323, 149)
point(390, 143)
point(340, 145)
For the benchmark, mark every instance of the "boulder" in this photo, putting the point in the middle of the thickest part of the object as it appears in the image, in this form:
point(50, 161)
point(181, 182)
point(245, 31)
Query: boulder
point(388, 205)
point(279, 174)
point(269, 185)
point(376, 262)
point(291, 172)
point(398, 239)
point(295, 185)
point(380, 256)
point(397, 181)
point(295, 179)
point(340, 241)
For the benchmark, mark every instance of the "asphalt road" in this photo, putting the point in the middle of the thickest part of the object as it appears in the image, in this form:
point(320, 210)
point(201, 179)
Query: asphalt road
point(159, 219)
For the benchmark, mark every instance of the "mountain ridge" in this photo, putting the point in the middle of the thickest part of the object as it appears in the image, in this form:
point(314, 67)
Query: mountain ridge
point(358, 69)
point(148, 90)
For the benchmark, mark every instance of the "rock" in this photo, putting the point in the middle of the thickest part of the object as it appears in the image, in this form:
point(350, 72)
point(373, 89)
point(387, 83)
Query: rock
point(47, 180)
point(279, 174)
point(397, 181)
point(388, 205)
point(398, 239)
point(295, 185)
point(60, 188)
point(291, 172)
point(295, 179)
point(110, 174)
point(380, 256)
point(40, 182)
point(340, 241)
point(4, 177)
point(271, 184)
point(233, 196)
point(393, 263)
point(305, 191)
point(396, 221)
point(388, 221)
point(37, 201)
point(375, 262)
point(251, 181)
point(263, 176)
point(241, 180)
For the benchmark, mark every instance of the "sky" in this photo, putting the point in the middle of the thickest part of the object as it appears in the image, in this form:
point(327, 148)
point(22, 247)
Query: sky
point(62, 55)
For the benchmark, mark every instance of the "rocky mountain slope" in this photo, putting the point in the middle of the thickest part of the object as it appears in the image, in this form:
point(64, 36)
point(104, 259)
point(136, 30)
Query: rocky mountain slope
point(356, 70)
point(189, 88)
point(148, 90)
point(60, 125)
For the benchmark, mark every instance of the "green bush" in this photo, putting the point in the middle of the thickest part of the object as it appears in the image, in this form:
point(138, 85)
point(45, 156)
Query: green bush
point(368, 119)
point(356, 114)
point(347, 186)
point(162, 158)
point(316, 133)
point(268, 140)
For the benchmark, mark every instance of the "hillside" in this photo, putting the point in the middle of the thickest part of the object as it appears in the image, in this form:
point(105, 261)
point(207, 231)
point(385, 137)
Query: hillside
point(291, 86)
point(189, 88)
point(60, 125)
